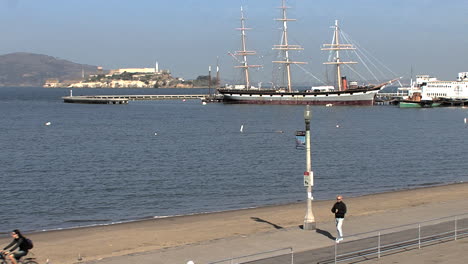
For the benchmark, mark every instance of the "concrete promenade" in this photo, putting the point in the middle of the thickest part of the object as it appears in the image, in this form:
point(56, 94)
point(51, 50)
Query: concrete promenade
point(301, 240)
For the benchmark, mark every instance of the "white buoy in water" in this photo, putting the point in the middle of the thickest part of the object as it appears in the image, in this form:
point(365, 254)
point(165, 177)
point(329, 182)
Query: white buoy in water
point(328, 105)
point(183, 100)
point(155, 133)
point(242, 128)
point(465, 120)
point(203, 103)
point(337, 126)
point(48, 123)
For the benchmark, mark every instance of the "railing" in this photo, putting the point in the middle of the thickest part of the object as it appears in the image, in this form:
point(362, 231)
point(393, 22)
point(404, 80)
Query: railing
point(390, 94)
point(149, 97)
point(287, 253)
point(374, 244)
point(377, 243)
point(123, 99)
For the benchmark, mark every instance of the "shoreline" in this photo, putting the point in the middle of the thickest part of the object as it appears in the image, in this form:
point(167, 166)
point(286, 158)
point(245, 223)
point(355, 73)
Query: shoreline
point(97, 242)
point(151, 218)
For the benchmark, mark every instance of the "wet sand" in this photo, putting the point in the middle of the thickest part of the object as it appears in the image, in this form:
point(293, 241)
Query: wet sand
point(92, 243)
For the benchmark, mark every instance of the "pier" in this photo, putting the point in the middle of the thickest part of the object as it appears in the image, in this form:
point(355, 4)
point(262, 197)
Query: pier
point(387, 98)
point(123, 99)
point(453, 101)
point(395, 98)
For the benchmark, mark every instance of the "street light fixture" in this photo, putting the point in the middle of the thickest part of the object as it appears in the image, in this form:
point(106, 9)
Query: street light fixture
point(309, 220)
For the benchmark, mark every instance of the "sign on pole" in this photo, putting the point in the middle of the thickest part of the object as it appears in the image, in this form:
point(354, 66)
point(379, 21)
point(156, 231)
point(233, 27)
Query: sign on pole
point(308, 178)
point(300, 140)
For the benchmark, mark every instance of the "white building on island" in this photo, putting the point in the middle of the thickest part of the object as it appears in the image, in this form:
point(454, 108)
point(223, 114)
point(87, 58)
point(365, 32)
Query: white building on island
point(154, 70)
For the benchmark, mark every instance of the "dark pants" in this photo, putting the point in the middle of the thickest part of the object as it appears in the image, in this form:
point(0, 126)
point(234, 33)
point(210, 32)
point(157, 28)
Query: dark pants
point(18, 254)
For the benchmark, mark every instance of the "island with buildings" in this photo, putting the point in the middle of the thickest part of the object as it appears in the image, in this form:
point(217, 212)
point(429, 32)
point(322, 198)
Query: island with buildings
point(129, 78)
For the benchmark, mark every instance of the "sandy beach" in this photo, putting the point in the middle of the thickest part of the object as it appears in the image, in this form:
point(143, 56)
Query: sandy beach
point(92, 243)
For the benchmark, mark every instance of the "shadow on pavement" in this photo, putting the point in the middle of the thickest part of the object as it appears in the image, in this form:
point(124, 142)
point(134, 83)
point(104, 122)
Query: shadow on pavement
point(325, 233)
point(265, 221)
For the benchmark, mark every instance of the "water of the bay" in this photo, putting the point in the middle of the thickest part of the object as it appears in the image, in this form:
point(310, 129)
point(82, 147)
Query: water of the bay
point(99, 164)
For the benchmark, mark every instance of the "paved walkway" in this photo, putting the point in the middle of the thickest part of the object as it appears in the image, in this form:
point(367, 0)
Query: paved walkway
point(302, 240)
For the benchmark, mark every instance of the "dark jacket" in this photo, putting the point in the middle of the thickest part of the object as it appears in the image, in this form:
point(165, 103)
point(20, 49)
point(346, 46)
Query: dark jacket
point(339, 209)
point(18, 242)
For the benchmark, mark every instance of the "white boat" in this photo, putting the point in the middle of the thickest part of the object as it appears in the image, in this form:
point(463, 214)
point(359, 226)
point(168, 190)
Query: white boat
point(436, 89)
point(433, 91)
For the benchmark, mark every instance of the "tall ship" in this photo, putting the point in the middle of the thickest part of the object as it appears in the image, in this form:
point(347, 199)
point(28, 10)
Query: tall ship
point(343, 94)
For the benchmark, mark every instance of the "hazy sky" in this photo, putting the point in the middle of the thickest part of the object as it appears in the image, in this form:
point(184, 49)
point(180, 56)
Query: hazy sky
point(186, 36)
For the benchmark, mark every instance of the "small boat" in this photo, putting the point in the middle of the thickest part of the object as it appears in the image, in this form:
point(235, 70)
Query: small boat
point(420, 104)
point(417, 101)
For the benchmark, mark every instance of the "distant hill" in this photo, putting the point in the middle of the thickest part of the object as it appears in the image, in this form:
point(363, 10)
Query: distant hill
point(29, 69)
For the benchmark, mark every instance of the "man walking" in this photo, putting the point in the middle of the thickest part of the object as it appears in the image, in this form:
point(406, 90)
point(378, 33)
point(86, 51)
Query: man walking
point(339, 209)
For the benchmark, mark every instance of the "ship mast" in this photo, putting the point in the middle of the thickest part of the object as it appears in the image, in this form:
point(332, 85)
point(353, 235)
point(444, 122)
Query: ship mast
point(336, 46)
point(285, 46)
point(217, 73)
point(244, 52)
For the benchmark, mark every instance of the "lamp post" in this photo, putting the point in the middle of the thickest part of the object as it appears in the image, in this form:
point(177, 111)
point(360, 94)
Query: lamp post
point(309, 220)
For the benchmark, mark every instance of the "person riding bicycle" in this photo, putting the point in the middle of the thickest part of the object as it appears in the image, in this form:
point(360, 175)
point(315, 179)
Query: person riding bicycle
point(19, 242)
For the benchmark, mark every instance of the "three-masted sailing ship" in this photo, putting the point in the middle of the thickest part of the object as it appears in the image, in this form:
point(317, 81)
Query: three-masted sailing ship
point(344, 94)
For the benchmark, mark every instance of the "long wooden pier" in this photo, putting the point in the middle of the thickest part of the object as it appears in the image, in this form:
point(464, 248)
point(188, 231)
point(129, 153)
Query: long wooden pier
point(123, 99)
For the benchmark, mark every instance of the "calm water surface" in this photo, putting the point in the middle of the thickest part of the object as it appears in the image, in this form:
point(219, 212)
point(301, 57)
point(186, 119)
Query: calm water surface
point(98, 164)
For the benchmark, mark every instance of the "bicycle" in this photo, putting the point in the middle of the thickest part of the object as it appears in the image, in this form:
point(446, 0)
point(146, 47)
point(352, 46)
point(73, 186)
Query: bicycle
point(22, 260)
